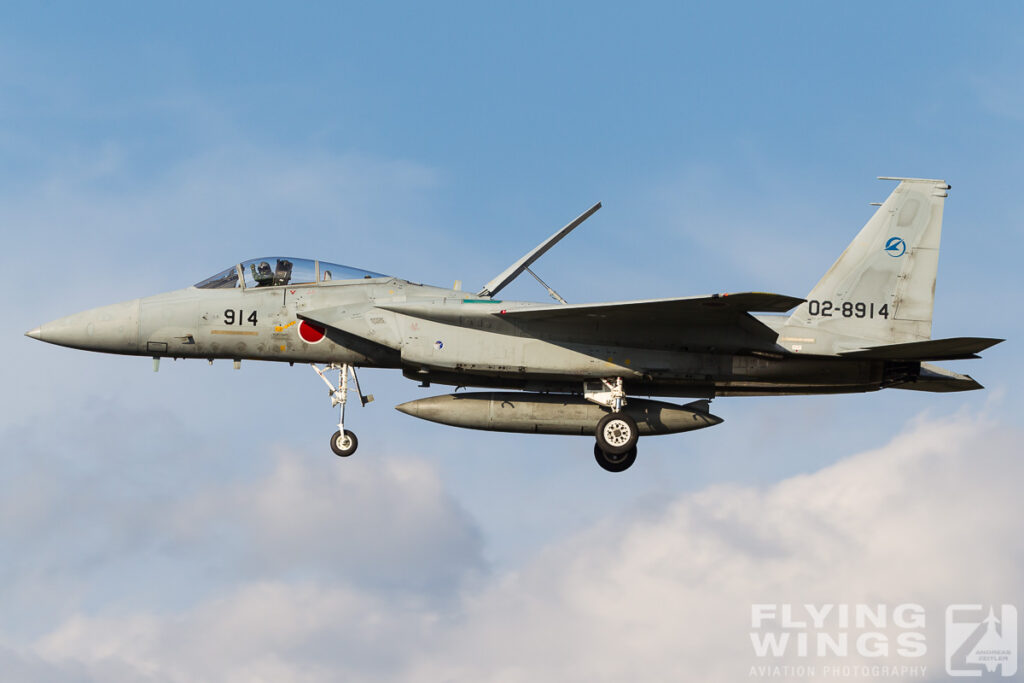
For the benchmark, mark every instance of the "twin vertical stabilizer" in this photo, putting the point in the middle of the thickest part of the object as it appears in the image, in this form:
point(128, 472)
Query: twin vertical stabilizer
point(881, 290)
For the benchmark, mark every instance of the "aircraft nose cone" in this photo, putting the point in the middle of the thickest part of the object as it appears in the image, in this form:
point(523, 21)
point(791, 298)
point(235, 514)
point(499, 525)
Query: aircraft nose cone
point(114, 329)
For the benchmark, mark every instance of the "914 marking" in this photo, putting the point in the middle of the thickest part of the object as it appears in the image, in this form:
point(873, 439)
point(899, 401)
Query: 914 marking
point(231, 319)
point(848, 309)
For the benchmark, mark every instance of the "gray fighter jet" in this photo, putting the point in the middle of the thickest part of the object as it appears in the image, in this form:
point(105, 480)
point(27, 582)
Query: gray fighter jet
point(562, 368)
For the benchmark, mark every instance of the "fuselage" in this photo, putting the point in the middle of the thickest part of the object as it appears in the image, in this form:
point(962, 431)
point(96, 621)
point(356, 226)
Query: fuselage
point(447, 336)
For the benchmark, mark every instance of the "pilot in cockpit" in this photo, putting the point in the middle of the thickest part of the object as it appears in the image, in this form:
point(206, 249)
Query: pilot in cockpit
point(264, 275)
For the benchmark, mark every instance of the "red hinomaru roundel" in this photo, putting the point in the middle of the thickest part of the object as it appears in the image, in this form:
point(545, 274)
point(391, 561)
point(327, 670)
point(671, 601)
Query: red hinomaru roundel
point(311, 332)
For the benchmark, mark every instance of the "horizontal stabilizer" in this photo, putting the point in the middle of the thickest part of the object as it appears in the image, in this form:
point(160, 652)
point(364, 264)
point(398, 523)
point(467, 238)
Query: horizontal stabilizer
point(934, 349)
point(939, 380)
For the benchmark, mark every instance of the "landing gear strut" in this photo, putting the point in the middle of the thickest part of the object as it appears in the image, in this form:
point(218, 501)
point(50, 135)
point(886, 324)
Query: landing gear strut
point(617, 432)
point(343, 441)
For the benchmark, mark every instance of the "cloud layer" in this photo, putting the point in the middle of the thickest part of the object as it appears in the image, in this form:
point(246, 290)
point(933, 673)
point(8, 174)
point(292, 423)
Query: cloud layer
point(371, 571)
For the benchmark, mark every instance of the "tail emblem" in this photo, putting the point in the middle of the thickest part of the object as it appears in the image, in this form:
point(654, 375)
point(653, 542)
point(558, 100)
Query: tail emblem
point(896, 247)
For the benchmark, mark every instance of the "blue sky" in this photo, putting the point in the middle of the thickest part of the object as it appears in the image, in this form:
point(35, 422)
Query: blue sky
point(734, 146)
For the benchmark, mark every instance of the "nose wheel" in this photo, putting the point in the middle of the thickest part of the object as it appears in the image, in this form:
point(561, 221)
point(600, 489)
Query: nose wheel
point(344, 444)
point(343, 441)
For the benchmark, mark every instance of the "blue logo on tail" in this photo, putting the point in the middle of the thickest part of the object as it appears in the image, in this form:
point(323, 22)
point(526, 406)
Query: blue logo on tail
point(896, 247)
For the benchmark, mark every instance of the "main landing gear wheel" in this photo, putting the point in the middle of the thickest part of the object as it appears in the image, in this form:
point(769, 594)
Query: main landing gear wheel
point(616, 433)
point(614, 462)
point(344, 445)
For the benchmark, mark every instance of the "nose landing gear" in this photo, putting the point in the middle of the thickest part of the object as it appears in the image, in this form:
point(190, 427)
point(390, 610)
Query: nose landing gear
point(345, 444)
point(343, 441)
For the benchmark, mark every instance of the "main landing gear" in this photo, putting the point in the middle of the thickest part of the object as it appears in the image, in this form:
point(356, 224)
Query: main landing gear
point(612, 462)
point(343, 441)
point(617, 432)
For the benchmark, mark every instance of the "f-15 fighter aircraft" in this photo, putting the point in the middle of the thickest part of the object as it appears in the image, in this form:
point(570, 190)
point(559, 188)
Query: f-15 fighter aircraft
point(568, 368)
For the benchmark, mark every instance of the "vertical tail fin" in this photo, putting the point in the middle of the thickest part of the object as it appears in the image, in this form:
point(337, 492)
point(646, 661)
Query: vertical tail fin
point(881, 290)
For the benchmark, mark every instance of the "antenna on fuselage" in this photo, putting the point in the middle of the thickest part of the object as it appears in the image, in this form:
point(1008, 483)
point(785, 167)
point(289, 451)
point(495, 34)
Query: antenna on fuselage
point(513, 271)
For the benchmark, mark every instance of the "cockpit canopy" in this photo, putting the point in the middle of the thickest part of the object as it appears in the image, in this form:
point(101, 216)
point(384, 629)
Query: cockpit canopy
point(275, 271)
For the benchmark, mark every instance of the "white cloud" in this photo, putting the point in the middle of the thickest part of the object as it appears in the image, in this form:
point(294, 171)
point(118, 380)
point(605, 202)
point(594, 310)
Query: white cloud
point(385, 524)
point(152, 530)
point(262, 631)
point(660, 594)
point(667, 597)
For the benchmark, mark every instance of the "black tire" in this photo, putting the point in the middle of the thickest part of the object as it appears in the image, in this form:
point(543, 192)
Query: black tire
point(350, 443)
point(614, 462)
point(616, 433)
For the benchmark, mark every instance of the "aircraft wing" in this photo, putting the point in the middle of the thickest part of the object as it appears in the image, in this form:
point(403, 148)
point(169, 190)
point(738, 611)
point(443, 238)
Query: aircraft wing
point(689, 310)
point(719, 320)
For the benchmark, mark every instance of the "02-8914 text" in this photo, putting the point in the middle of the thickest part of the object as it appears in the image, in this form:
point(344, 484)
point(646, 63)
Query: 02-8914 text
point(848, 309)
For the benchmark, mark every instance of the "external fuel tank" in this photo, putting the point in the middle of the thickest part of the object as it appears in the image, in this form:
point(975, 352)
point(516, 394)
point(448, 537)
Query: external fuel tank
point(534, 413)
